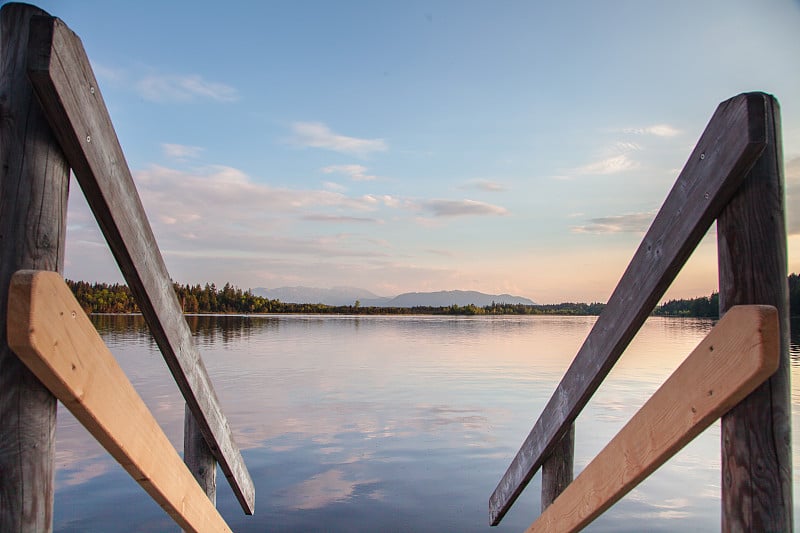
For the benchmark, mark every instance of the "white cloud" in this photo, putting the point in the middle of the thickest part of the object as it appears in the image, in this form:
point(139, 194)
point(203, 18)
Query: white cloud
point(109, 74)
point(455, 208)
point(484, 185)
point(659, 130)
point(610, 165)
point(625, 147)
point(234, 195)
point(390, 201)
point(355, 172)
point(181, 151)
point(318, 135)
point(332, 186)
point(340, 219)
point(629, 223)
point(175, 88)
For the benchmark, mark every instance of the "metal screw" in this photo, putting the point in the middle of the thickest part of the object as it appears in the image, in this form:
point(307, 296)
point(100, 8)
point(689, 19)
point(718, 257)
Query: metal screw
point(74, 314)
point(91, 90)
point(703, 155)
point(705, 196)
point(88, 138)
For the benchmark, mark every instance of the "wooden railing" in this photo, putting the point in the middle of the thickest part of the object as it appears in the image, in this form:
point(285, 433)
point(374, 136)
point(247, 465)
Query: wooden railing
point(740, 353)
point(734, 176)
point(55, 339)
point(53, 120)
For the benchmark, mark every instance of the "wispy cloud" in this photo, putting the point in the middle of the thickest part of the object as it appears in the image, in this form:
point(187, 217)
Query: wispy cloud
point(184, 88)
point(318, 135)
point(333, 186)
point(340, 219)
point(355, 172)
point(609, 165)
point(484, 185)
point(658, 130)
point(628, 223)
point(181, 151)
point(108, 74)
point(458, 208)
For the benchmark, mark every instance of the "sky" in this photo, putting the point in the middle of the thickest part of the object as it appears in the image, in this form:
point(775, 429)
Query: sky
point(504, 147)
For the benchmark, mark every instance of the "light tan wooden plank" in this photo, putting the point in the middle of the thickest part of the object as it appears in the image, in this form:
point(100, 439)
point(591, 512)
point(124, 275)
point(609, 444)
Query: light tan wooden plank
point(52, 335)
point(731, 143)
point(737, 355)
point(65, 84)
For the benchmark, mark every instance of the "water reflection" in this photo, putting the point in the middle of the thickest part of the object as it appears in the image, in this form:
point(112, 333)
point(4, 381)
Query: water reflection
point(396, 423)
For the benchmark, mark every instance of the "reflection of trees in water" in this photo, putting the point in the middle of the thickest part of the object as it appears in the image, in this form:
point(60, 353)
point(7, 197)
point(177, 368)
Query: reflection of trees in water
point(794, 346)
point(209, 329)
point(206, 329)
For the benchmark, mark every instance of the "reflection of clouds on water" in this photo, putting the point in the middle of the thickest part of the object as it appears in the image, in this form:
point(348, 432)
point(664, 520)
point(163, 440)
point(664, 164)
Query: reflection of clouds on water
point(85, 472)
point(79, 457)
point(400, 416)
point(442, 415)
point(671, 508)
point(321, 490)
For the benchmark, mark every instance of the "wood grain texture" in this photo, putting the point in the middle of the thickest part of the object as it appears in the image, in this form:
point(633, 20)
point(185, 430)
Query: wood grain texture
point(56, 340)
point(198, 458)
point(756, 434)
point(34, 184)
point(558, 469)
point(737, 355)
point(728, 148)
point(64, 82)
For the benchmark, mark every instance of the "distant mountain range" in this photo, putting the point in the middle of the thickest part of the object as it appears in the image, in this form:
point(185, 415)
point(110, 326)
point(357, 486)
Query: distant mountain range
point(348, 296)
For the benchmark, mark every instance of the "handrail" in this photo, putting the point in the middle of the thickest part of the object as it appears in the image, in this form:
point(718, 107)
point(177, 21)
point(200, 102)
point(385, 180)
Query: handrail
point(65, 84)
point(51, 334)
point(727, 149)
point(736, 356)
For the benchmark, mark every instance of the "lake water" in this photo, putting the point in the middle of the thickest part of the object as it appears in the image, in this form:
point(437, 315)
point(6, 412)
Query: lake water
point(393, 423)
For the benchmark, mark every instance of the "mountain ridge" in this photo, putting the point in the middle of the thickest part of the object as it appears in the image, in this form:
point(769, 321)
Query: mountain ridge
point(349, 295)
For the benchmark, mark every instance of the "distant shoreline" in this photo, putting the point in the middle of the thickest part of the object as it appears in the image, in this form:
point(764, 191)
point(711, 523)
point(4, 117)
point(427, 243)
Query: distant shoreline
point(103, 298)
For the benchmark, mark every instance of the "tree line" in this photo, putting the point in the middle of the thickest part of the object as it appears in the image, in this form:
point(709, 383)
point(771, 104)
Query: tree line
point(117, 298)
point(709, 306)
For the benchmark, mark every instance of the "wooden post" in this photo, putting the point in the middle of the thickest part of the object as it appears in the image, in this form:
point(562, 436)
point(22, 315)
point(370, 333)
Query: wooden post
point(558, 469)
point(34, 182)
point(198, 456)
point(756, 434)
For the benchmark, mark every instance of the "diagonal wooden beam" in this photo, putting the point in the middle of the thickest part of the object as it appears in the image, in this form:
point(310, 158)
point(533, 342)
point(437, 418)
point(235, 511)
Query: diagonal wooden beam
point(731, 143)
point(65, 84)
point(736, 356)
point(51, 334)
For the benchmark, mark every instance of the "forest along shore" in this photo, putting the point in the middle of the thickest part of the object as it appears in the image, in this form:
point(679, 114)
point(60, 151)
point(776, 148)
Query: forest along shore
point(117, 298)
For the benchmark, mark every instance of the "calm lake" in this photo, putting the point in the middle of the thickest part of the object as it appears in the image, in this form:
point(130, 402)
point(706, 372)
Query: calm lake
point(393, 423)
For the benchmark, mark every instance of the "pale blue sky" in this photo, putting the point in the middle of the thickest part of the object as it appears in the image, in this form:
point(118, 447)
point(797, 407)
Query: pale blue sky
point(400, 146)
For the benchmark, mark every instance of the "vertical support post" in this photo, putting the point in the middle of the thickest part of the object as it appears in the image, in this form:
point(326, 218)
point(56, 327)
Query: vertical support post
point(34, 186)
point(558, 469)
point(198, 456)
point(756, 434)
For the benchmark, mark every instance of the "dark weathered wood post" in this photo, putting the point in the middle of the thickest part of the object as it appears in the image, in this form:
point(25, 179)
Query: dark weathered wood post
point(756, 434)
point(198, 456)
point(558, 469)
point(34, 181)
